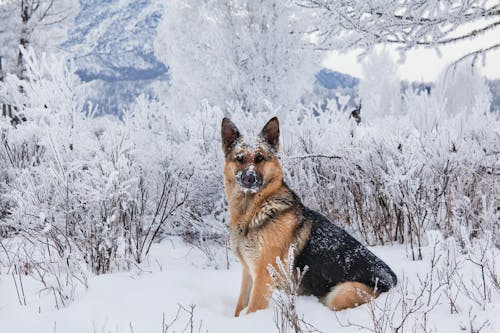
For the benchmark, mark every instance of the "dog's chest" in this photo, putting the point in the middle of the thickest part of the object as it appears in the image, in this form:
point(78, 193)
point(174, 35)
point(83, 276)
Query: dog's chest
point(245, 244)
point(246, 233)
point(268, 227)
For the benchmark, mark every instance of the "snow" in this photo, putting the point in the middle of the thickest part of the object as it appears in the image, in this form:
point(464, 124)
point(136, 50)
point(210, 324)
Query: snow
point(250, 143)
point(177, 273)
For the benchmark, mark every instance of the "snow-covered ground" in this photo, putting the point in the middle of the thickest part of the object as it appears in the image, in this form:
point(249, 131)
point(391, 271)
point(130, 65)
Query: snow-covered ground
point(178, 274)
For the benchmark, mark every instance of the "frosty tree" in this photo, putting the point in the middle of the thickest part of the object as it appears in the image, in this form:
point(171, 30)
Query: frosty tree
point(40, 23)
point(255, 53)
point(464, 91)
point(380, 88)
point(404, 23)
point(8, 44)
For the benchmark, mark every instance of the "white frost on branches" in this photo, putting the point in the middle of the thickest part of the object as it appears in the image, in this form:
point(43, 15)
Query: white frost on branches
point(405, 23)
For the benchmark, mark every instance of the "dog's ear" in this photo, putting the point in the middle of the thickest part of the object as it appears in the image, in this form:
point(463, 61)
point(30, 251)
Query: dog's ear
point(229, 133)
point(271, 133)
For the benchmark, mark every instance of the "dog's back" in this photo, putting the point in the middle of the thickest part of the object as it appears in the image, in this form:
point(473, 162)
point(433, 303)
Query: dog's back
point(334, 257)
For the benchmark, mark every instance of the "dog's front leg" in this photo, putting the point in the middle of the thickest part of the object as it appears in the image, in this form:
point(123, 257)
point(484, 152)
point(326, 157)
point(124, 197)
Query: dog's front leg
point(259, 297)
point(246, 287)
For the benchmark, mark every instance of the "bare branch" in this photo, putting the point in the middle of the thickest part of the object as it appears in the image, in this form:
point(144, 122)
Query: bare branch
point(406, 23)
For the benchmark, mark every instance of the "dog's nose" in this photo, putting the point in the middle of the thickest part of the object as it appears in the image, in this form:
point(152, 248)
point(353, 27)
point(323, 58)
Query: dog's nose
point(248, 180)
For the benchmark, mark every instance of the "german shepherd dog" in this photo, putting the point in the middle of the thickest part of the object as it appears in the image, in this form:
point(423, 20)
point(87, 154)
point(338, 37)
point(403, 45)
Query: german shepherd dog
point(267, 218)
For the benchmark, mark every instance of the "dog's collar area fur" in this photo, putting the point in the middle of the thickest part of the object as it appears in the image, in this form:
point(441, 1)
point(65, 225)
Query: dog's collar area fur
point(269, 210)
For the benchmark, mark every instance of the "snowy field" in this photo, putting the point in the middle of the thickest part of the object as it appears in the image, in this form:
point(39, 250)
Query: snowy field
point(176, 274)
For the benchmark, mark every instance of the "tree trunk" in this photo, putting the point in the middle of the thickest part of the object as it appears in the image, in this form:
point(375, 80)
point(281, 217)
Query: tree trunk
point(23, 40)
point(1, 70)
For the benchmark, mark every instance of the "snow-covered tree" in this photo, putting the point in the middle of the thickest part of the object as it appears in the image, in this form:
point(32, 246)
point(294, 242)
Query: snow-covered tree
point(404, 23)
point(255, 53)
point(464, 90)
point(379, 90)
point(8, 38)
point(38, 23)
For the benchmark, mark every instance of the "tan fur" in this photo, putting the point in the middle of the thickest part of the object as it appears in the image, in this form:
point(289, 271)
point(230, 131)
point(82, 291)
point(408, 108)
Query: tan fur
point(348, 295)
point(245, 289)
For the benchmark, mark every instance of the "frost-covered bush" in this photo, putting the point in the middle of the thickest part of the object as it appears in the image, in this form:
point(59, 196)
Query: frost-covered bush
point(394, 179)
point(88, 187)
point(185, 142)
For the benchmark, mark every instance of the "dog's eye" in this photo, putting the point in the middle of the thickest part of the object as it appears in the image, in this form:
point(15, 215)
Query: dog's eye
point(258, 158)
point(240, 158)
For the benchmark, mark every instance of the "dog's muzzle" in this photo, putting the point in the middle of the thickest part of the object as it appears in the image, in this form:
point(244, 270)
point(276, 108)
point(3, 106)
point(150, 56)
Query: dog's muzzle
point(249, 180)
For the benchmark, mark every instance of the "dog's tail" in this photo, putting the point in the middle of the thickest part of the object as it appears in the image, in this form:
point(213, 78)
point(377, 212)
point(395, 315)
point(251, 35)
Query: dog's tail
point(349, 295)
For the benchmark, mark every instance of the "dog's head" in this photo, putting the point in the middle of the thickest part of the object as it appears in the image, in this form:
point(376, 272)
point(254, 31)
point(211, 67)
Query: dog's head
point(251, 162)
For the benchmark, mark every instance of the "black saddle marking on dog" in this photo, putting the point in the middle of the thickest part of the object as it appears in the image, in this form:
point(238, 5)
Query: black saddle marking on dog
point(333, 257)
